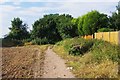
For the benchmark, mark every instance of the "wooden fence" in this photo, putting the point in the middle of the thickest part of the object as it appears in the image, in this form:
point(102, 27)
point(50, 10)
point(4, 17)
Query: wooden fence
point(113, 37)
point(88, 37)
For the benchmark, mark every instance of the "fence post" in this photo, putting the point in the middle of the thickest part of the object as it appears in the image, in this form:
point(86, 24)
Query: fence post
point(102, 36)
point(118, 37)
point(95, 36)
point(109, 37)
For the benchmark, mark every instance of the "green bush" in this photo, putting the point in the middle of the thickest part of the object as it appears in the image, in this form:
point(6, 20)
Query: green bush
point(75, 50)
point(67, 43)
point(104, 30)
point(26, 40)
point(39, 41)
point(81, 49)
point(11, 43)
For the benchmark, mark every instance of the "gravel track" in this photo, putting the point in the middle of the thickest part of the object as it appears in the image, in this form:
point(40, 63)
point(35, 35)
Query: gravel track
point(54, 66)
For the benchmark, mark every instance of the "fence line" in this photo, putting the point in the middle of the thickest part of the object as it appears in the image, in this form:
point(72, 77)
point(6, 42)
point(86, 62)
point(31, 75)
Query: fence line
point(113, 37)
point(88, 37)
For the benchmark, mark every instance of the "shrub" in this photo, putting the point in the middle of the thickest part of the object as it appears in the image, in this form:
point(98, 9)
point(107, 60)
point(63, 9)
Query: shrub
point(75, 50)
point(10, 43)
point(26, 40)
point(81, 49)
point(104, 30)
point(39, 41)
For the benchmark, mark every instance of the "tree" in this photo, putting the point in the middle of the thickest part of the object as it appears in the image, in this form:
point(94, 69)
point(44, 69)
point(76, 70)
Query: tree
point(91, 22)
point(18, 31)
point(66, 27)
point(45, 28)
point(53, 28)
point(115, 19)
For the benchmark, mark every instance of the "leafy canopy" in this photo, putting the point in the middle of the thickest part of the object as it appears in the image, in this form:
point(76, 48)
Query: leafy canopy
point(91, 22)
point(18, 30)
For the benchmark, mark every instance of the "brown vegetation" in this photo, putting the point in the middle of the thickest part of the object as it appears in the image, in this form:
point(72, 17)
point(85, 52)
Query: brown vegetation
point(21, 62)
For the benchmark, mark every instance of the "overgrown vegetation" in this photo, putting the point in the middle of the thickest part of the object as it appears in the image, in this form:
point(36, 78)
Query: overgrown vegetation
point(77, 49)
point(100, 60)
point(104, 30)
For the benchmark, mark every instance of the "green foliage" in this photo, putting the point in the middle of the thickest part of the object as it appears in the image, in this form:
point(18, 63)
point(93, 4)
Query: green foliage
point(18, 31)
point(45, 28)
point(104, 30)
point(75, 50)
point(102, 50)
point(39, 41)
point(91, 22)
point(100, 61)
point(0, 42)
point(80, 50)
point(80, 22)
point(11, 43)
point(115, 19)
point(54, 27)
point(66, 27)
point(99, 49)
point(26, 40)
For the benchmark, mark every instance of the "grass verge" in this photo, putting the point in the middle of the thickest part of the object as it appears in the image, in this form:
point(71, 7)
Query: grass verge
point(100, 61)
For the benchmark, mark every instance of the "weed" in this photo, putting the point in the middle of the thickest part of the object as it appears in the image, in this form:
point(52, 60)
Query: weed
point(99, 60)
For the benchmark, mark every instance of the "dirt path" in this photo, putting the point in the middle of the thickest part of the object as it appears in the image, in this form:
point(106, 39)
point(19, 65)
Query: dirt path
point(54, 66)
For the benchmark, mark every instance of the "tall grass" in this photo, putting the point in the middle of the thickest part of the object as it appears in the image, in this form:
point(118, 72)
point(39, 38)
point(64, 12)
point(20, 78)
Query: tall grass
point(100, 61)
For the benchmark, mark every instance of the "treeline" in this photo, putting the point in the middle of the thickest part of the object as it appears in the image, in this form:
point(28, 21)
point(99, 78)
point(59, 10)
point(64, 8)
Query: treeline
point(55, 27)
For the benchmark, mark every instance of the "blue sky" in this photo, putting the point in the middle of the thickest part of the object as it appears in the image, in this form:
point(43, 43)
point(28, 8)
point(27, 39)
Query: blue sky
point(32, 10)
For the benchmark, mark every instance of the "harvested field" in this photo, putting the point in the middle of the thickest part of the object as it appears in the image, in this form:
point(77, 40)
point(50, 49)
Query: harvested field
point(22, 62)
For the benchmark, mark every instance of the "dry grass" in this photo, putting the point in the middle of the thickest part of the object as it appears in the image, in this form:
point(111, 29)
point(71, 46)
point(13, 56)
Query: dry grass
point(86, 66)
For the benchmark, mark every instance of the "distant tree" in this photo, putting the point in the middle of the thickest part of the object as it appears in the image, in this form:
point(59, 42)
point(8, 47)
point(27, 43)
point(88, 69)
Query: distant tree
point(80, 22)
point(66, 27)
point(45, 28)
point(75, 28)
point(53, 28)
point(18, 30)
point(115, 19)
point(91, 22)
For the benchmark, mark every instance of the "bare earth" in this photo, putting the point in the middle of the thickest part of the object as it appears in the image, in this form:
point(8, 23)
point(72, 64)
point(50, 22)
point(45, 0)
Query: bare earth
point(21, 62)
point(28, 62)
point(54, 66)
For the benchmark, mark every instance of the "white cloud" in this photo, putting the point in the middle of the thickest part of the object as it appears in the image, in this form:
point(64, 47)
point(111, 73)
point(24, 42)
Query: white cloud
point(2, 1)
point(33, 11)
point(80, 8)
point(17, 3)
point(8, 8)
